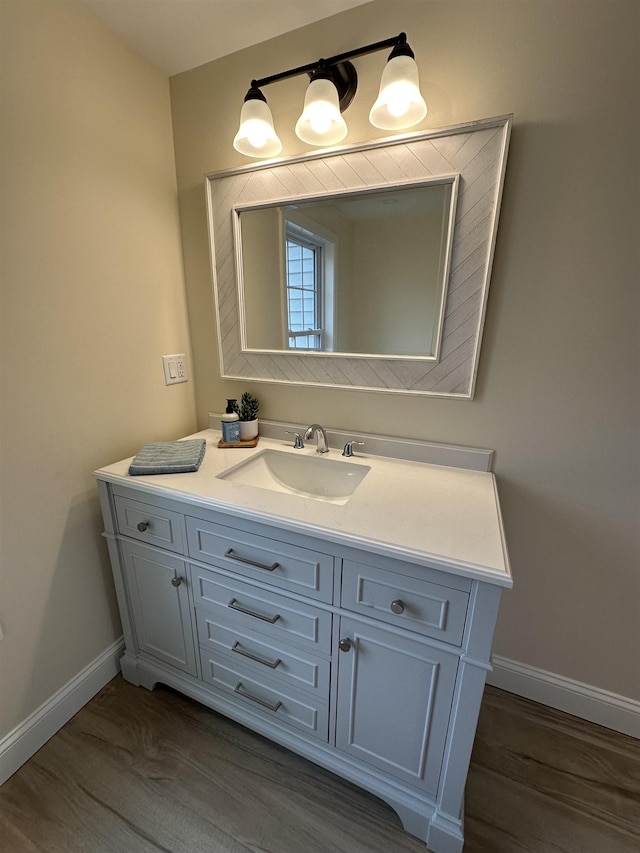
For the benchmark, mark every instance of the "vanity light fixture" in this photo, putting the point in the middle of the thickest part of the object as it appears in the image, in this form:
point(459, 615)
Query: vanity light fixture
point(321, 122)
point(331, 89)
point(256, 136)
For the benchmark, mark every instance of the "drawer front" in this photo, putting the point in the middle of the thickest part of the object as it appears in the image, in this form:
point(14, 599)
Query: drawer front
point(271, 701)
point(417, 605)
point(242, 606)
point(256, 654)
point(151, 524)
point(286, 566)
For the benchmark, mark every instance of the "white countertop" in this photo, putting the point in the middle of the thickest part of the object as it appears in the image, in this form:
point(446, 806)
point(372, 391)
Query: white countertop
point(429, 514)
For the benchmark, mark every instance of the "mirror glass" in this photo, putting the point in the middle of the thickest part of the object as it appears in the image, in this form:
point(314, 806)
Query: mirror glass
point(358, 272)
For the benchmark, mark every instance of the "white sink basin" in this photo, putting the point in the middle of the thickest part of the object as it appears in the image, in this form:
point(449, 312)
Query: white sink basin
point(308, 476)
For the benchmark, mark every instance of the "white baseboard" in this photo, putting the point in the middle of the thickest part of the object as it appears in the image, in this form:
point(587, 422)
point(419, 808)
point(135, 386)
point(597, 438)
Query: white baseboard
point(27, 738)
point(582, 700)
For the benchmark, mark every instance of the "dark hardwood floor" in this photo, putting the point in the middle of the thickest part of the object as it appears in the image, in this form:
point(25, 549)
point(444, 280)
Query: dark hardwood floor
point(135, 772)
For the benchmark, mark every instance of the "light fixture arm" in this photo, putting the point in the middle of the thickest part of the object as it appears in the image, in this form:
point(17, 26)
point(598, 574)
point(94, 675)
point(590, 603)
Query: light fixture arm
point(338, 67)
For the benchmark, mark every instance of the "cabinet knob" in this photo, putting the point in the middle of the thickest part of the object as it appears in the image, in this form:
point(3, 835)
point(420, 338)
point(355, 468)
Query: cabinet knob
point(143, 526)
point(345, 644)
point(397, 606)
point(176, 581)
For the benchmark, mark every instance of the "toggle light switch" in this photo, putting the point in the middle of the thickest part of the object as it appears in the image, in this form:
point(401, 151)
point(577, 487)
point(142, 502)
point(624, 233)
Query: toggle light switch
point(175, 368)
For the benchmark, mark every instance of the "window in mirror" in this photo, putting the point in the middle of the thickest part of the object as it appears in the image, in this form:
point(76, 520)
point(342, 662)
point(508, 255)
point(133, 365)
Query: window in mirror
point(308, 283)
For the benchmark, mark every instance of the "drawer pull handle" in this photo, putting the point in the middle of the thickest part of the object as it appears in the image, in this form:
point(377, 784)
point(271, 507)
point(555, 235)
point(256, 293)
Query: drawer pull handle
point(177, 581)
point(233, 556)
point(272, 664)
point(271, 619)
point(345, 645)
point(241, 690)
point(397, 607)
point(142, 526)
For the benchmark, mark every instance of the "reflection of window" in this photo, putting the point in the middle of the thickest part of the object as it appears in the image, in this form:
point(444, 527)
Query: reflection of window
point(304, 279)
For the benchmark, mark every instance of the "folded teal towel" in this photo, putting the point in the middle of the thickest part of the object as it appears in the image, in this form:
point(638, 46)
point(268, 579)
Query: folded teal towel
point(168, 457)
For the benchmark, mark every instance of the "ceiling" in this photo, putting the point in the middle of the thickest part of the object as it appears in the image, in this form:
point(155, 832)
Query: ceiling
point(176, 35)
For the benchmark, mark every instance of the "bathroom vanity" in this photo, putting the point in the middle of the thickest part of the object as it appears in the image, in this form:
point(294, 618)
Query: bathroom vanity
point(356, 633)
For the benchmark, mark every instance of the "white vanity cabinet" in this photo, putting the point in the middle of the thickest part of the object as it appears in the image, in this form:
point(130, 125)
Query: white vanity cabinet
point(370, 665)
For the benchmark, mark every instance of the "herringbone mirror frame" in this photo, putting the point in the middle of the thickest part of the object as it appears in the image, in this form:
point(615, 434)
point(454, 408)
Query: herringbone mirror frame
point(475, 151)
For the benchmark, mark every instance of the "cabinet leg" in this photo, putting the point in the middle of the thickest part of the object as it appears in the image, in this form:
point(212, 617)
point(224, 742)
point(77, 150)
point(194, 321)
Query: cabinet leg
point(439, 833)
point(445, 836)
point(134, 674)
point(412, 822)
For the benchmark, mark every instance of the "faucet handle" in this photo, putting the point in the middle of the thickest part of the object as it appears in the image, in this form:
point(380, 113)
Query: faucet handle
point(348, 448)
point(298, 443)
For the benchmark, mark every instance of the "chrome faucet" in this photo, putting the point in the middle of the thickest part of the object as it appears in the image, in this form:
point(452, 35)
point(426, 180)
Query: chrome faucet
point(321, 437)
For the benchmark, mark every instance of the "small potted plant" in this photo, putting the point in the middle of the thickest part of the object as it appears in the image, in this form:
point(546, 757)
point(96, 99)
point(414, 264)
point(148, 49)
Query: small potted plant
point(247, 411)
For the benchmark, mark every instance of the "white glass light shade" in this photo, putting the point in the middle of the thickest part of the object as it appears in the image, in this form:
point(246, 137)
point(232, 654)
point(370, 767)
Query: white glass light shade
point(321, 122)
point(399, 103)
point(256, 136)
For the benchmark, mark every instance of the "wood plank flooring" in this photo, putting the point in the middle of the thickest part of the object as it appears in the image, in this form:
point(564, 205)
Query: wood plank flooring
point(137, 771)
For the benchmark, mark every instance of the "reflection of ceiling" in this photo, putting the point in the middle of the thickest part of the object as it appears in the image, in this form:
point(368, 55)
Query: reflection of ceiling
point(398, 202)
point(176, 35)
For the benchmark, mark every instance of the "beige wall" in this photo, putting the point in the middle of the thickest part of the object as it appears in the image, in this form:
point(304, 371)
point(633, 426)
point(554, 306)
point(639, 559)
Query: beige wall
point(92, 296)
point(558, 382)
point(393, 305)
point(264, 311)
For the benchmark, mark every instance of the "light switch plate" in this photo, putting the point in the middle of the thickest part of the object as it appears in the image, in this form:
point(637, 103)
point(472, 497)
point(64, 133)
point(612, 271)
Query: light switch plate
point(175, 368)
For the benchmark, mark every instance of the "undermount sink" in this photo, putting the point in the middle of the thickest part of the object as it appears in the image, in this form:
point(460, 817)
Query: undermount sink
point(316, 477)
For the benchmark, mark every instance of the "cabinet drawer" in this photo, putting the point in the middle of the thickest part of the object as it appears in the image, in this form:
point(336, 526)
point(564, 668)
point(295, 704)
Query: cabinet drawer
point(151, 524)
point(279, 564)
point(271, 701)
point(242, 606)
point(262, 656)
point(418, 605)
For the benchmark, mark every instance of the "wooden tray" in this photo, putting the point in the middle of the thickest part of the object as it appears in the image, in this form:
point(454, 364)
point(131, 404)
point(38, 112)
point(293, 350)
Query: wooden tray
point(251, 442)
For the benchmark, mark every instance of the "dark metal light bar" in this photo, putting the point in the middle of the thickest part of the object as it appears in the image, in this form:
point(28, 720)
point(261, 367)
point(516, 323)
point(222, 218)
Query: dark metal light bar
point(332, 60)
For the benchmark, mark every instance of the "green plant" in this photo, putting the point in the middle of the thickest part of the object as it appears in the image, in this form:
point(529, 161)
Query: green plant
point(248, 407)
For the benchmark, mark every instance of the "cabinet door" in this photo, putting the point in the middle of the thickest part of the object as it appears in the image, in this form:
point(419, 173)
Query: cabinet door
point(394, 701)
point(157, 584)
